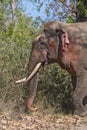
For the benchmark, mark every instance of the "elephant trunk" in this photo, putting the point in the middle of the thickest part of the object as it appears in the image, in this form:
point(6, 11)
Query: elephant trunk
point(33, 82)
point(32, 92)
point(32, 78)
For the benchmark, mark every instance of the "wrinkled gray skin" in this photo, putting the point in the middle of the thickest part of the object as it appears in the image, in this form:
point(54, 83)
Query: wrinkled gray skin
point(48, 48)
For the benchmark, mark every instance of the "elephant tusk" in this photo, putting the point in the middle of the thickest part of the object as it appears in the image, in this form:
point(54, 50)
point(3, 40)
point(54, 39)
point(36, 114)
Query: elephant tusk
point(31, 75)
point(21, 80)
point(34, 71)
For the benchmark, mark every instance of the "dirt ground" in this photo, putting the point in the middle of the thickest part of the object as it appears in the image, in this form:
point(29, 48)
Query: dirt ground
point(39, 121)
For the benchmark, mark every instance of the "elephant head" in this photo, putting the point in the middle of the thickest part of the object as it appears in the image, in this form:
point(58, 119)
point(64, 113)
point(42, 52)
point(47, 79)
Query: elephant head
point(44, 51)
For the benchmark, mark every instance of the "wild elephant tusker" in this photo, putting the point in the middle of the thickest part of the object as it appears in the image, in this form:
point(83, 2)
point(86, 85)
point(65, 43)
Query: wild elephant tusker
point(65, 44)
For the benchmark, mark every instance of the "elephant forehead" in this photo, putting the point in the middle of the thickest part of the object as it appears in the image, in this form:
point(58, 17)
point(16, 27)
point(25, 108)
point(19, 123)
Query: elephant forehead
point(37, 38)
point(53, 24)
point(43, 39)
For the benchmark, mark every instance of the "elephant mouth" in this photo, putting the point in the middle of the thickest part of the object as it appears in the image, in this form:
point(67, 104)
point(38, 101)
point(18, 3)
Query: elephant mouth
point(46, 61)
point(44, 65)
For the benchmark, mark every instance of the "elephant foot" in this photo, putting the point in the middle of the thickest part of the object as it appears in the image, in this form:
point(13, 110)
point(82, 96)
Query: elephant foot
point(82, 114)
point(30, 109)
point(29, 104)
point(33, 109)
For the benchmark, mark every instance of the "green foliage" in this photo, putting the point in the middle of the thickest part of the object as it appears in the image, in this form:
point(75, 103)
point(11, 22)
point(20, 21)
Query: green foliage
point(70, 19)
point(82, 10)
point(81, 7)
point(15, 47)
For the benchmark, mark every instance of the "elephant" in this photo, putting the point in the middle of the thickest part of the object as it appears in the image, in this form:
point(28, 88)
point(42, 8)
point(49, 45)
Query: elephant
point(65, 44)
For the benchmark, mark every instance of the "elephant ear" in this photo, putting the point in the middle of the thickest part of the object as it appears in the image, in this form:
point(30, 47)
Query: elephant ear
point(63, 37)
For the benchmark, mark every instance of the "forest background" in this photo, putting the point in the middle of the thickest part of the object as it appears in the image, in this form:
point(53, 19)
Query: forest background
point(17, 30)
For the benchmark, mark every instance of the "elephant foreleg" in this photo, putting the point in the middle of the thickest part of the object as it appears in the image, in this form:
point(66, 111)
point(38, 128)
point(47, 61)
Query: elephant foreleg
point(79, 94)
point(74, 82)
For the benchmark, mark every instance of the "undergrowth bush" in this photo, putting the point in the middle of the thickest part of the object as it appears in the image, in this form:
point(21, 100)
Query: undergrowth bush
point(55, 89)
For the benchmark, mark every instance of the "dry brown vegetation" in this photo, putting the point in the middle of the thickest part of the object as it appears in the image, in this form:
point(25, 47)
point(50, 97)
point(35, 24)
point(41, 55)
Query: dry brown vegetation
point(40, 121)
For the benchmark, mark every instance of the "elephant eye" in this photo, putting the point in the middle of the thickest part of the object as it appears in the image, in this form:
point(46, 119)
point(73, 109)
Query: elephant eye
point(41, 43)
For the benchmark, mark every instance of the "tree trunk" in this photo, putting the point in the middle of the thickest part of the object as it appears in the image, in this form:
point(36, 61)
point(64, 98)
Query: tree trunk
point(14, 16)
